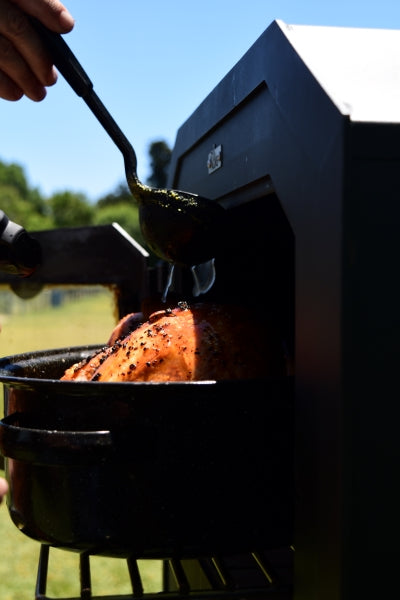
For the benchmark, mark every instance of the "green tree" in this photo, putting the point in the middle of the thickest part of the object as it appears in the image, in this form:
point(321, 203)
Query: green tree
point(125, 214)
point(160, 154)
point(13, 175)
point(70, 209)
point(12, 203)
point(121, 195)
point(22, 204)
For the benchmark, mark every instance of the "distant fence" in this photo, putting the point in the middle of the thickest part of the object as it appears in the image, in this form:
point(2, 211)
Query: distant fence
point(11, 304)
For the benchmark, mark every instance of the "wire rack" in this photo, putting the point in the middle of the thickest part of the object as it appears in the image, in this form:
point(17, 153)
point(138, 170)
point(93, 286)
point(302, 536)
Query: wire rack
point(256, 575)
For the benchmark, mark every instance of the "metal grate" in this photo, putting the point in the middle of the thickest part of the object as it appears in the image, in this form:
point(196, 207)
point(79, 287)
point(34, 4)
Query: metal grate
point(254, 576)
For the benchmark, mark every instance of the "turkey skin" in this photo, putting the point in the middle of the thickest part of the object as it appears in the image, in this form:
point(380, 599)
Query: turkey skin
point(186, 343)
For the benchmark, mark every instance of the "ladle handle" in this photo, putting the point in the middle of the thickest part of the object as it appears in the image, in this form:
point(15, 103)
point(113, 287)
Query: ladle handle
point(73, 72)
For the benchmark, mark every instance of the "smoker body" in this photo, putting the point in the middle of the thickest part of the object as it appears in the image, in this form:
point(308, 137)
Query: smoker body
point(309, 120)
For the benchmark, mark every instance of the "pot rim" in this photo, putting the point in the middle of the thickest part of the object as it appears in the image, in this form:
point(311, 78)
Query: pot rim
point(12, 370)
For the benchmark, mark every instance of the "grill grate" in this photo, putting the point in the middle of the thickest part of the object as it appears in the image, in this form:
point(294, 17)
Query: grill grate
point(254, 576)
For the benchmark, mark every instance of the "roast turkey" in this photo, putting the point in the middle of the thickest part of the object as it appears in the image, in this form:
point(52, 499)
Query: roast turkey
point(186, 343)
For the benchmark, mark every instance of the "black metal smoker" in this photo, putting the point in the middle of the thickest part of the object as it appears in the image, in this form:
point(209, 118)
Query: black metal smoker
point(306, 126)
point(300, 142)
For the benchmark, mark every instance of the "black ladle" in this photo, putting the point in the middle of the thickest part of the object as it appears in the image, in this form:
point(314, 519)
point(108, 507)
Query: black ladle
point(180, 227)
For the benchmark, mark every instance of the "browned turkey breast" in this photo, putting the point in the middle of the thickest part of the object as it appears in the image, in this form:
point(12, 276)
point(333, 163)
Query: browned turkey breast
point(200, 342)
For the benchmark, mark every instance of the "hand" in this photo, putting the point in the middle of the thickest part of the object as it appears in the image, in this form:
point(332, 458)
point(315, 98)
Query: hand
point(3, 488)
point(25, 67)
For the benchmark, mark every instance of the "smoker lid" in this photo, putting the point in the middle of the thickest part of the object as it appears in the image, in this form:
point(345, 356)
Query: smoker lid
point(286, 107)
point(358, 68)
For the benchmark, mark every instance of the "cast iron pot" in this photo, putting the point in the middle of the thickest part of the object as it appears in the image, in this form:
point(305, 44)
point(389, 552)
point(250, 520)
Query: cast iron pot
point(150, 470)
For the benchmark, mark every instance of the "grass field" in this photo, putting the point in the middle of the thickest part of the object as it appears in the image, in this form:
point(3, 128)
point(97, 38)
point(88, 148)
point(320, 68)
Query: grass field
point(86, 320)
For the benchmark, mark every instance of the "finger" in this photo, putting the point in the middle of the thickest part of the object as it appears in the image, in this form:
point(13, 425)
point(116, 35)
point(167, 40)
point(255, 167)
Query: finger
point(23, 39)
point(3, 487)
point(24, 59)
point(13, 65)
point(51, 13)
point(8, 89)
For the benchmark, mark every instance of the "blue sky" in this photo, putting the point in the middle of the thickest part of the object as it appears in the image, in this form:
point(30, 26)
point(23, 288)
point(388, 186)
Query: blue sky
point(152, 63)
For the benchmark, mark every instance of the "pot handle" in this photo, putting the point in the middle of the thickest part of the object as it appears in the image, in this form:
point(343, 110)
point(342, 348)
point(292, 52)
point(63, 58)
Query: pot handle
point(44, 446)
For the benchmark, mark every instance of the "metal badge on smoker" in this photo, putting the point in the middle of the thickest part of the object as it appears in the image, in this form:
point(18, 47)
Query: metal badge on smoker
point(214, 160)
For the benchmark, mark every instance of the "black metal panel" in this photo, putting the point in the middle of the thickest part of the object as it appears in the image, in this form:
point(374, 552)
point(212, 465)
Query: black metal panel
point(104, 254)
point(289, 130)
